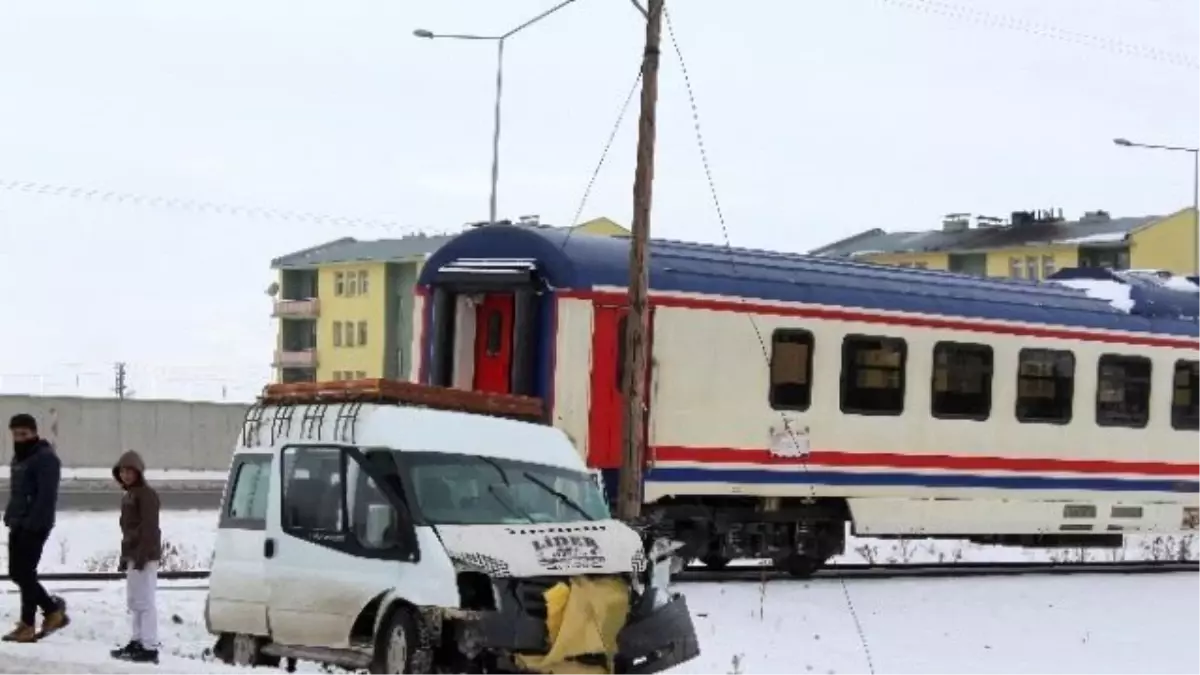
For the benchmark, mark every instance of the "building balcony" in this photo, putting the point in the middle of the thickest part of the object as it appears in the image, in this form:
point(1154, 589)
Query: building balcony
point(296, 309)
point(298, 358)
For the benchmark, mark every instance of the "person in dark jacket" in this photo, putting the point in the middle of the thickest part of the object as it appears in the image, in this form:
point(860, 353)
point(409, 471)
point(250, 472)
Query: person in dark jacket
point(141, 548)
point(29, 516)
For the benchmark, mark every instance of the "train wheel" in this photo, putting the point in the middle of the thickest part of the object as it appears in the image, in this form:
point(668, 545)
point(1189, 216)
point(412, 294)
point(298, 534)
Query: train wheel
point(801, 566)
point(715, 562)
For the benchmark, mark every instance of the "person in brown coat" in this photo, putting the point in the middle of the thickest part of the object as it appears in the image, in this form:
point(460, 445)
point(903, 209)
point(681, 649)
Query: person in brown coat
point(141, 548)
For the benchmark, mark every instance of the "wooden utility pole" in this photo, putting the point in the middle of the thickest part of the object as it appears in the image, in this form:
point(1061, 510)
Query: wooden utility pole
point(629, 499)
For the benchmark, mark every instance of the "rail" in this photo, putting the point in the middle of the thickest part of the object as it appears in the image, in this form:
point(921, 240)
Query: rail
point(768, 573)
point(936, 570)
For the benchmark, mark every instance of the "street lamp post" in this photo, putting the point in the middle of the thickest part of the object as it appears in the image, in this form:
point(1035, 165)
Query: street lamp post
point(499, 40)
point(1126, 143)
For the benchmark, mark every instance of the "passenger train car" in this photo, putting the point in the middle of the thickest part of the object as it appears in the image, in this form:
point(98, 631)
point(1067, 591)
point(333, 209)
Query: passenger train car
point(790, 395)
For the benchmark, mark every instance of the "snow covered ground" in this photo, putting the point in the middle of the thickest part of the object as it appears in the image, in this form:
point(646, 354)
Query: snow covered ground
point(1077, 624)
point(87, 541)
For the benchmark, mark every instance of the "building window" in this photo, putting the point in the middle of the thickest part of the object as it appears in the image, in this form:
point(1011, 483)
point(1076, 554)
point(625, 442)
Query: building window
point(1045, 385)
point(791, 369)
point(1185, 395)
point(1031, 267)
point(351, 284)
point(1123, 391)
point(339, 283)
point(360, 374)
point(1014, 268)
point(962, 381)
point(1048, 268)
point(362, 333)
point(348, 336)
point(362, 282)
point(337, 333)
point(873, 375)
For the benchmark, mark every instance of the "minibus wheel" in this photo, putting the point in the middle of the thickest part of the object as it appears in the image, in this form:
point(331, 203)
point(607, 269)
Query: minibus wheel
point(401, 646)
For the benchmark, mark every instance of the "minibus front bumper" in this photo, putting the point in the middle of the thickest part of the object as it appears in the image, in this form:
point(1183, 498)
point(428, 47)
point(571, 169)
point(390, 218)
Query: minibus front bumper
point(650, 642)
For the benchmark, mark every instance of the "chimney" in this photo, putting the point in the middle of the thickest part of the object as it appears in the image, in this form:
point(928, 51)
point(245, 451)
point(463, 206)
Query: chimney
point(1022, 218)
point(956, 222)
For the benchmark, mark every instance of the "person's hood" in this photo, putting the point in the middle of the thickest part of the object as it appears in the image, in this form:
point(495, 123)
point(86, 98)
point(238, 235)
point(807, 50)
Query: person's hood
point(130, 460)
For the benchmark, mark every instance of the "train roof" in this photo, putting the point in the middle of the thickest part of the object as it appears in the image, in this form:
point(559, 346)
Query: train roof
point(575, 261)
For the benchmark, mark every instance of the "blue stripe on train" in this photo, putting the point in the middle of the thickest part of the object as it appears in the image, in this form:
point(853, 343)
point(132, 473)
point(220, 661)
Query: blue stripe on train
point(952, 480)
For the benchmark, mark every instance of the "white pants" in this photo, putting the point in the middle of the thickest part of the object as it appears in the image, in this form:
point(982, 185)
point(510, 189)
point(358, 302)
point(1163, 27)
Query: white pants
point(140, 588)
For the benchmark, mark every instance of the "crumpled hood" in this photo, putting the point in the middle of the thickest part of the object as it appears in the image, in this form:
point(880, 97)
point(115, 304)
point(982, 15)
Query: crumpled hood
point(554, 549)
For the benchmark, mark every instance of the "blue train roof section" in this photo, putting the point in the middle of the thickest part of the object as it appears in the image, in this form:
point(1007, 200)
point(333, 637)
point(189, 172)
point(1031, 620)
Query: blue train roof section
point(576, 261)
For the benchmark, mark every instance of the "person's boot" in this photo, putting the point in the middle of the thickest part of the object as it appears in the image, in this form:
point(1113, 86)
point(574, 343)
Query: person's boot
point(55, 619)
point(22, 633)
point(124, 653)
point(141, 654)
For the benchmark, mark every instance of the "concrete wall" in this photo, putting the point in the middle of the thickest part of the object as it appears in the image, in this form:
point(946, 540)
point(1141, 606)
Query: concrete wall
point(92, 432)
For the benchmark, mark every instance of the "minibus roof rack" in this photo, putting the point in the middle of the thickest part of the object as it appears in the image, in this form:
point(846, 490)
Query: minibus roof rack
point(396, 392)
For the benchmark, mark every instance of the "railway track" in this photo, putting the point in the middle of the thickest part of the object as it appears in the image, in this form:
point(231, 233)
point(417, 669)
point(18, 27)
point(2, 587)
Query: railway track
point(698, 574)
point(82, 582)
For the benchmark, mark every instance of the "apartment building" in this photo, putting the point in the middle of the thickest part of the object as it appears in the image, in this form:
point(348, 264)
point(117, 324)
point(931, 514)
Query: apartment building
point(345, 308)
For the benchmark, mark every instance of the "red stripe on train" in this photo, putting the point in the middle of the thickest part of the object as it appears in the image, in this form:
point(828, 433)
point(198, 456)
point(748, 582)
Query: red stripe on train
point(918, 461)
point(833, 314)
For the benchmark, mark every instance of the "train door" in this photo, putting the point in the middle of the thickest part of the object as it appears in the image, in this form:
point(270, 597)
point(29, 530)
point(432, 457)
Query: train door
point(607, 407)
point(494, 343)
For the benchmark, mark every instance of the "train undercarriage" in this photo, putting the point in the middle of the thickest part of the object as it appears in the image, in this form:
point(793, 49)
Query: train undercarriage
point(801, 535)
point(798, 535)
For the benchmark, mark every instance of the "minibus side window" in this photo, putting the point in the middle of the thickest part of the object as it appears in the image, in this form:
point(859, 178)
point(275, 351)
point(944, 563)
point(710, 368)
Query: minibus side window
point(249, 490)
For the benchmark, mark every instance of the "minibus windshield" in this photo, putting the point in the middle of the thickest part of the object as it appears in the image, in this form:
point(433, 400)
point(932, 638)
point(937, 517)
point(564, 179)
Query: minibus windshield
point(455, 489)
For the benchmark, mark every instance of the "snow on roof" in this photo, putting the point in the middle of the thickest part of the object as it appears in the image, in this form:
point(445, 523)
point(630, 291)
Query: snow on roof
point(1101, 238)
point(1149, 293)
point(1114, 292)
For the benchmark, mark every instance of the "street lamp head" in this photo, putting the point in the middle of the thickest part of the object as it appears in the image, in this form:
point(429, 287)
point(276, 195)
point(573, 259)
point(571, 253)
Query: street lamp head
point(422, 33)
point(1123, 142)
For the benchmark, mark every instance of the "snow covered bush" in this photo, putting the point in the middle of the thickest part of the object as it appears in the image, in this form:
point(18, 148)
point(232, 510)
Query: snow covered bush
point(174, 558)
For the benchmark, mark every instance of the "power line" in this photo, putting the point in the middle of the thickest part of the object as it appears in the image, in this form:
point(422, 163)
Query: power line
point(612, 136)
point(712, 189)
point(1110, 44)
point(115, 197)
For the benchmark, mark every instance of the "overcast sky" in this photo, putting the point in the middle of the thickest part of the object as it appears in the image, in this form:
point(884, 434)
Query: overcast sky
point(822, 118)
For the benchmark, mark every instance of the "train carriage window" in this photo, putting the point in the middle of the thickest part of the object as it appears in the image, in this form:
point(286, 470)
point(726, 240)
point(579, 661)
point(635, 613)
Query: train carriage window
point(1185, 396)
point(873, 375)
point(791, 369)
point(962, 381)
point(1045, 385)
point(1123, 391)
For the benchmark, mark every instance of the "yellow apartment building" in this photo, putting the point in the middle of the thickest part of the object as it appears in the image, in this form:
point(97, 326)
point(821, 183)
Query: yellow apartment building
point(1033, 245)
point(344, 308)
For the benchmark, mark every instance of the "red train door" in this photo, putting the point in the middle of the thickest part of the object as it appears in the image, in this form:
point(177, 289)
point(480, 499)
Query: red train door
point(606, 421)
point(494, 343)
